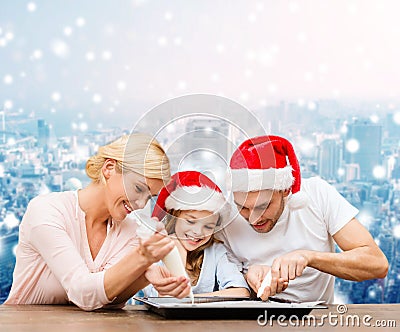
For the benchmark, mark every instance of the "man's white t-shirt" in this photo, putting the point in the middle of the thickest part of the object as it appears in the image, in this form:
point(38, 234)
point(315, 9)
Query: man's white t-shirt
point(310, 228)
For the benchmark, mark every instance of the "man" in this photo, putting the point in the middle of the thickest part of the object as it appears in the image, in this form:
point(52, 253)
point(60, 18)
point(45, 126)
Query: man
point(292, 226)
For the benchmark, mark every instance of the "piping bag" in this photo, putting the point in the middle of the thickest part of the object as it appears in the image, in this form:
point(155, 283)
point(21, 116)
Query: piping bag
point(266, 282)
point(173, 260)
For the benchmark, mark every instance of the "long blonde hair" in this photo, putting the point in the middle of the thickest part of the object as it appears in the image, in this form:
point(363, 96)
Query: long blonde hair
point(140, 153)
point(194, 259)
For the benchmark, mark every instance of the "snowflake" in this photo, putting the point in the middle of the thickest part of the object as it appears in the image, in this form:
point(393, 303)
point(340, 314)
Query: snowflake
point(220, 48)
point(106, 55)
point(162, 41)
point(252, 18)
point(8, 104)
point(177, 41)
point(60, 48)
point(8, 79)
point(83, 126)
point(312, 106)
point(31, 6)
point(374, 118)
point(182, 85)
point(56, 96)
point(90, 56)
point(168, 16)
point(396, 231)
point(67, 31)
point(308, 76)
point(301, 37)
point(396, 118)
point(37, 54)
point(293, 7)
point(121, 85)
point(215, 77)
point(352, 145)
point(80, 22)
point(272, 88)
point(97, 98)
point(379, 172)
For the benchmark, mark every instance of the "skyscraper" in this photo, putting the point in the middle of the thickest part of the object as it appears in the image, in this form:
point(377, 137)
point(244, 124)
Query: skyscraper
point(43, 133)
point(329, 159)
point(365, 151)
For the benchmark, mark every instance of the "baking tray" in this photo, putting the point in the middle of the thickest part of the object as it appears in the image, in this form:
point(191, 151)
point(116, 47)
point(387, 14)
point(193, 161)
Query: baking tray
point(226, 308)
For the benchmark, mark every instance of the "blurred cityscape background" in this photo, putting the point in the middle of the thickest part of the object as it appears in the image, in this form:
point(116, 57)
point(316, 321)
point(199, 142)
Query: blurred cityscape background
point(325, 74)
point(359, 156)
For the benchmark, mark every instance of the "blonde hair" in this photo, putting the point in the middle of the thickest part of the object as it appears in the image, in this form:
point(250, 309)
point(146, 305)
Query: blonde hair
point(140, 153)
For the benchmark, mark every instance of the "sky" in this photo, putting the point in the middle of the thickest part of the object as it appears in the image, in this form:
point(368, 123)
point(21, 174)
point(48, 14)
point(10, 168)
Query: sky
point(108, 61)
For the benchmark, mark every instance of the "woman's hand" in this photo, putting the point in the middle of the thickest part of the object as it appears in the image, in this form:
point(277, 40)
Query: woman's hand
point(166, 284)
point(156, 246)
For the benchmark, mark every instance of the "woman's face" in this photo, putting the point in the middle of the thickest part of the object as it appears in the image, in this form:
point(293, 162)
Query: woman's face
point(194, 228)
point(129, 191)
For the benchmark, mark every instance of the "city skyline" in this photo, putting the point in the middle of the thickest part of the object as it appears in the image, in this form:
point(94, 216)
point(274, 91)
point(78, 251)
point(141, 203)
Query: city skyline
point(40, 165)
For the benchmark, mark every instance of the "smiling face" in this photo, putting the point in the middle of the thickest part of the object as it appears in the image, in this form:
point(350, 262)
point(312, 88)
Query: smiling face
point(261, 209)
point(194, 228)
point(127, 192)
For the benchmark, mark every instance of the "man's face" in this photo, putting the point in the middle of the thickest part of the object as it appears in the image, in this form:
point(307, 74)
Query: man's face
point(261, 209)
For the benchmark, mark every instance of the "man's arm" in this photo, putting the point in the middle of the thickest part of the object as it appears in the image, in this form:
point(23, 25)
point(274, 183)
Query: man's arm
point(361, 258)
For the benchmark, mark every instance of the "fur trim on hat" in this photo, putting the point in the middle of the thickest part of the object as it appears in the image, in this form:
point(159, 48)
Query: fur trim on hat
point(245, 179)
point(195, 198)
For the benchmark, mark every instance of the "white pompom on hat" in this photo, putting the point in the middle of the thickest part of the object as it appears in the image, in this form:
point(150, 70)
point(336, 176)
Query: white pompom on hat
point(267, 162)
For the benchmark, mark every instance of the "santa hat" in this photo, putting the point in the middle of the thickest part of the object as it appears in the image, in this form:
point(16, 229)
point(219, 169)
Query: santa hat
point(267, 162)
point(189, 190)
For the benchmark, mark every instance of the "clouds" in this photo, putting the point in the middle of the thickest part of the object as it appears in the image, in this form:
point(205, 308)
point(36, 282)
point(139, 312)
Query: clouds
point(143, 52)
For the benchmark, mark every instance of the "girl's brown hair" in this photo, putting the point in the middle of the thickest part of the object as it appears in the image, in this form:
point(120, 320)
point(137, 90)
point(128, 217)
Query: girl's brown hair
point(194, 259)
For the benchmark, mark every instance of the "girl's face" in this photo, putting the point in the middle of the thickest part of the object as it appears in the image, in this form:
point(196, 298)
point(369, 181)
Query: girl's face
point(127, 192)
point(194, 228)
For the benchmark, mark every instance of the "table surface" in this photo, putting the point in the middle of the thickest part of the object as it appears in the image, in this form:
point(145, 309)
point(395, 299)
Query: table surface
point(61, 318)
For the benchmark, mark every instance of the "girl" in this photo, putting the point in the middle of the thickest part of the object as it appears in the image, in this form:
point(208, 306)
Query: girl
point(77, 246)
point(193, 207)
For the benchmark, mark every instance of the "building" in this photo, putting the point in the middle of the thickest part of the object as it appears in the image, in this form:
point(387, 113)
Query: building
point(365, 138)
point(329, 157)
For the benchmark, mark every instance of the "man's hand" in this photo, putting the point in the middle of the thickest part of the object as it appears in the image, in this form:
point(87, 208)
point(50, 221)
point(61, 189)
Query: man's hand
point(290, 265)
point(166, 284)
point(256, 274)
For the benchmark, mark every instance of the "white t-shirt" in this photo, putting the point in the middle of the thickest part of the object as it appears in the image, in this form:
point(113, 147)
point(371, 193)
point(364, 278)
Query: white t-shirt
point(309, 228)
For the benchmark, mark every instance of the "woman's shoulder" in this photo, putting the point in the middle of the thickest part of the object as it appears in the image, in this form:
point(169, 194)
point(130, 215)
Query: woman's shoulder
point(54, 199)
point(53, 206)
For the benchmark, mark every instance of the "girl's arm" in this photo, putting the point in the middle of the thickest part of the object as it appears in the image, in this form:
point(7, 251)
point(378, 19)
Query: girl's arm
point(228, 292)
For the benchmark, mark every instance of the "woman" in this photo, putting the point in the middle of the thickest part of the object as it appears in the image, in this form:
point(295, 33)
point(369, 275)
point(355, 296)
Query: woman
point(76, 246)
point(194, 207)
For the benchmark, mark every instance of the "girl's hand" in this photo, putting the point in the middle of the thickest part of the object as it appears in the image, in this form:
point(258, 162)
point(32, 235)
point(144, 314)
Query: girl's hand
point(166, 284)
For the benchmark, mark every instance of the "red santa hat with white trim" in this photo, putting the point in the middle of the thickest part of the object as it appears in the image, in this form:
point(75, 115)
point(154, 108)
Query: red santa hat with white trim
point(267, 162)
point(189, 190)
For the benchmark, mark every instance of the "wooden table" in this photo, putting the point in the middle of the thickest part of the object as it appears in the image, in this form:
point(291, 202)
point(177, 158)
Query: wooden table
point(132, 318)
